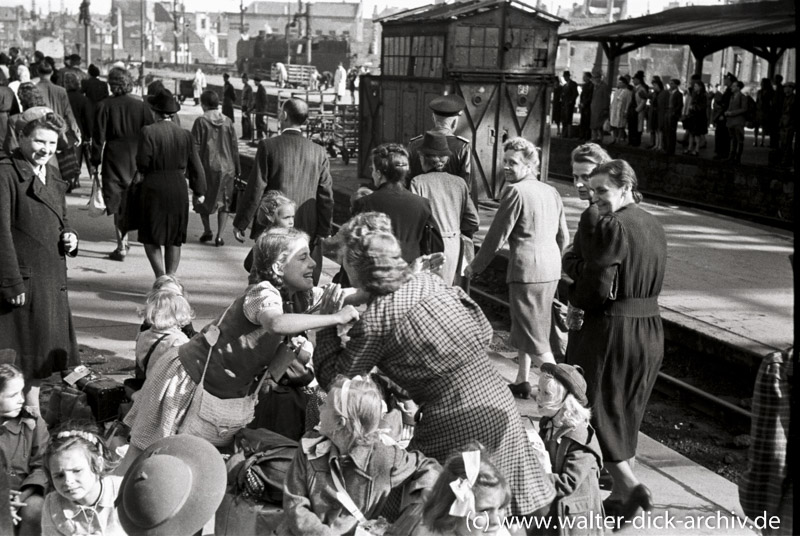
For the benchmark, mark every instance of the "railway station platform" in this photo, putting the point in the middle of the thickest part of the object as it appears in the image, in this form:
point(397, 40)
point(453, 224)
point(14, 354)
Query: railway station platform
point(105, 295)
point(728, 286)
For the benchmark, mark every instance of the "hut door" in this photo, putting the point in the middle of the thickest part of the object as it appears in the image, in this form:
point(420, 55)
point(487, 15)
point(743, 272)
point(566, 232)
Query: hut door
point(479, 125)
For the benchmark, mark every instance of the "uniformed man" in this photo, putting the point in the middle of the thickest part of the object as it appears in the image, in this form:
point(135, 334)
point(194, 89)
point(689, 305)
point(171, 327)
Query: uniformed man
point(446, 111)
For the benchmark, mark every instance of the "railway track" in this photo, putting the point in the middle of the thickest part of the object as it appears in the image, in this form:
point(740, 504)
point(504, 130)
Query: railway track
point(778, 223)
point(671, 386)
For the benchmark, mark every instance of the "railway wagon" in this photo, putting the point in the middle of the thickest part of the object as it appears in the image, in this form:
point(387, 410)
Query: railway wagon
point(256, 55)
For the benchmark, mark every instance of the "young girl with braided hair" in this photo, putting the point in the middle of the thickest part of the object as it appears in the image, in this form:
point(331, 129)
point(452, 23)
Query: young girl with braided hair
point(78, 465)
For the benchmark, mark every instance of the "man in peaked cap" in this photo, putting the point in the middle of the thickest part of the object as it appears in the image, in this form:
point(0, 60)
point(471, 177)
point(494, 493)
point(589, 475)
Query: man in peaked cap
point(446, 111)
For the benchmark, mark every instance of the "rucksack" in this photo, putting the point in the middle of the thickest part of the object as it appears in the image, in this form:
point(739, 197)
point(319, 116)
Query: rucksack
point(258, 468)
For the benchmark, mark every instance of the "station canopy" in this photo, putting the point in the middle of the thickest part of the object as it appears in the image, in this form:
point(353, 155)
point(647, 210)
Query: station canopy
point(766, 29)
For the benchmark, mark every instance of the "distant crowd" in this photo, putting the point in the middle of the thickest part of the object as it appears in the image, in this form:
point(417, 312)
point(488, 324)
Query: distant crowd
point(632, 109)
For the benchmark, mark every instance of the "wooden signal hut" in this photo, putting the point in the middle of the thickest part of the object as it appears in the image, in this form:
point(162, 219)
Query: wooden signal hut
point(499, 55)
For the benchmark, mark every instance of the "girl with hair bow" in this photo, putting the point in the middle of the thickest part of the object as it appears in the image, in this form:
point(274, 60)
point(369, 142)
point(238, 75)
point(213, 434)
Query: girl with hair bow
point(471, 496)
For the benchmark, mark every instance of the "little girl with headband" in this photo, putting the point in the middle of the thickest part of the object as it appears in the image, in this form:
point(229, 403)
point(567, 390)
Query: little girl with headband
point(342, 475)
point(470, 497)
point(78, 463)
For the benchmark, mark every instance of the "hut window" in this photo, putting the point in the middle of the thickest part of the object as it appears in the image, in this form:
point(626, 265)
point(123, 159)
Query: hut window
point(419, 56)
point(526, 48)
point(476, 46)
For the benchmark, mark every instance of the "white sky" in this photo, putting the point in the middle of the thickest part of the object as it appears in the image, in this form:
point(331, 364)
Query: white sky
point(635, 7)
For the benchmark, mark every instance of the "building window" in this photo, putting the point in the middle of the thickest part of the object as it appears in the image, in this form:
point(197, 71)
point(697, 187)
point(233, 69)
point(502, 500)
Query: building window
point(419, 56)
point(476, 46)
point(319, 32)
point(332, 32)
point(202, 24)
point(223, 48)
point(346, 32)
point(571, 52)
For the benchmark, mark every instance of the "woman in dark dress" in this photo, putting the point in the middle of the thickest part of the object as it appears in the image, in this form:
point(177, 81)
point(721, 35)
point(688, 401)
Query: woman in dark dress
point(697, 117)
point(82, 110)
point(166, 156)
point(617, 280)
point(118, 121)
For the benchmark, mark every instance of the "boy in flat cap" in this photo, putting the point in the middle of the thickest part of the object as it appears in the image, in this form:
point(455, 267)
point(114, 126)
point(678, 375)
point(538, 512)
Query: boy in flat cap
point(446, 110)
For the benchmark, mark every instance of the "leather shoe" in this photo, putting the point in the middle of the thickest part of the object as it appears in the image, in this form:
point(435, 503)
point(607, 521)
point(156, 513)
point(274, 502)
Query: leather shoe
point(640, 497)
point(520, 390)
point(117, 255)
point(219, 242)
point(208, 236)
point(611, 507)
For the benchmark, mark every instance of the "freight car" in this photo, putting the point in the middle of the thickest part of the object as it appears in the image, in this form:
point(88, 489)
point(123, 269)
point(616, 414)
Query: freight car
point(256, 55)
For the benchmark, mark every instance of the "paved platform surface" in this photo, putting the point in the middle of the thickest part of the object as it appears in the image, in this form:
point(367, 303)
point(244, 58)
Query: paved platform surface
point(724, 276)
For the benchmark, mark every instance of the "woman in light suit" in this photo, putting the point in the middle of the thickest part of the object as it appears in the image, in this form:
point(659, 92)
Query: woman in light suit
point(531, 218)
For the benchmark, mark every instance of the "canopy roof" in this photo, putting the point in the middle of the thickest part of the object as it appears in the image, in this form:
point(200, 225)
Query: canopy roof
point(708, 28)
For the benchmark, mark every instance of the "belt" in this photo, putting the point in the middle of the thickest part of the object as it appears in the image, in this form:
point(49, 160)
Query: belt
point(633, 307)
point(448, 235)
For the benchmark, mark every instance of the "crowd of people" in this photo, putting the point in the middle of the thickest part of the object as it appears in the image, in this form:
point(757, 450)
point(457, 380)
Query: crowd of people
point(396, 413)
point(633, 108)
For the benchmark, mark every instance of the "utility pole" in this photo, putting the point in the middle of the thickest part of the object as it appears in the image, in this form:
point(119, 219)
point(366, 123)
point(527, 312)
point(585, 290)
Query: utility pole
point(86, 18)
point(142, 40)
point(308, 32)
point(185, 38)
point(175, 28)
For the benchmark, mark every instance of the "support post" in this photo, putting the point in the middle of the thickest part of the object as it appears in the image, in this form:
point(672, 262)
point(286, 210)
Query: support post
point(308, 32)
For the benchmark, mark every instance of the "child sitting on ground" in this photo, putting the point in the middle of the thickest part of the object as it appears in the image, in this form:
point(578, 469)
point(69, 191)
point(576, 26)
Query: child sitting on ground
point(78, 463)
point(23, 438)
point(342, 476)
point(170, 282)
point(470, 497)
point(167, 312)
point(573, 447)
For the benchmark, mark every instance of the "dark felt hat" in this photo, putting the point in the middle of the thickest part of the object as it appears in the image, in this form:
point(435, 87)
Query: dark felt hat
point(447, 105)
point(434, 144)
point(571, 377)
point(164, 102)
point(74, 58)
point(173, 488)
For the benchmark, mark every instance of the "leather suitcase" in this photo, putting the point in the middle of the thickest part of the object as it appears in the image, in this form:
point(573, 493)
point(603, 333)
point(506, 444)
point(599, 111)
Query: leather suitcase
point(103, 394)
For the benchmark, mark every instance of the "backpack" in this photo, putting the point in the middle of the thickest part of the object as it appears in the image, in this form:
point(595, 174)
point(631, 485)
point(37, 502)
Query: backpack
point(258, 468)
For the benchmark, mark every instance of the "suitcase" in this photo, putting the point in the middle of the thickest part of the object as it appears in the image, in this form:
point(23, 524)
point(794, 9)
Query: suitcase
point(103, 394)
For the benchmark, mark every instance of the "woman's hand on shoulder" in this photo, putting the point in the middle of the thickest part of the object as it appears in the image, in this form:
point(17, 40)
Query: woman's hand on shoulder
point(428, 263)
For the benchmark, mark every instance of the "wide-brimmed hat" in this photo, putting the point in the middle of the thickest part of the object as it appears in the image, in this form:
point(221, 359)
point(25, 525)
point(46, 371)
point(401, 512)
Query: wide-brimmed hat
point(571, 377)
point(434, 144)
point(173, 488)
point(164, 102)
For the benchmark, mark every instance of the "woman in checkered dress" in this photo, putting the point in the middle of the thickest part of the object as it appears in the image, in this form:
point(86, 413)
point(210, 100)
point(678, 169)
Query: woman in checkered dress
point(430, 338)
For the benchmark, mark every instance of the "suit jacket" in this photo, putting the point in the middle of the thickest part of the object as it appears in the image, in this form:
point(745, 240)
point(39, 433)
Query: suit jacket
point(675, 107)
point(531, 218)
point(410, 214)
point(300, 169)
point(56, 98)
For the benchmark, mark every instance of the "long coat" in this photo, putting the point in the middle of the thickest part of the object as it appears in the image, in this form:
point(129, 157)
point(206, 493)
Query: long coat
point(8, 107)
point(300, 169)
point(601, 100)
point(118, 122)
point(56, 98)
point(215, 140)
point(622, 339)
point(453, 211)
point(33, 218)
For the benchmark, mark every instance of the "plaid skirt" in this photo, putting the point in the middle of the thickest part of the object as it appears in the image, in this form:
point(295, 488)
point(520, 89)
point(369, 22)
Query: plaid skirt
point(162, 403)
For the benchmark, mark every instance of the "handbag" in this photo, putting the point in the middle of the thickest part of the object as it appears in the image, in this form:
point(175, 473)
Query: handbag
point(130, 208)
point(216, 419)
point(290, 365)
point(97, 205)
